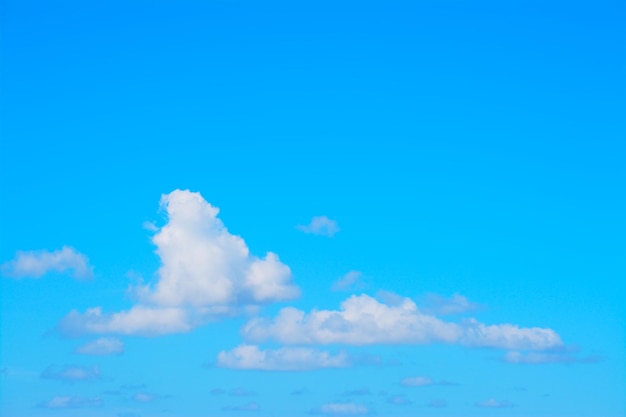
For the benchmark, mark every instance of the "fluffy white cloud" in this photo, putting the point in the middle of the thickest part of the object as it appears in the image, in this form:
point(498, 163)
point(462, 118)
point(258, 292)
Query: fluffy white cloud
point(205, 273)
point(72, 373)
point(35, 264)
point(102, 346)
point(320, 225)
point(417, 381)
point(492, 403)
point(71, 402)
point(351, 409)
point(283, 359)
point(350, 280)
point(363, 320)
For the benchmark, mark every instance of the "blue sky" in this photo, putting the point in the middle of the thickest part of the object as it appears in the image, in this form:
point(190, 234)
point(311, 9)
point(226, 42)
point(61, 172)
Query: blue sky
point(421, 208)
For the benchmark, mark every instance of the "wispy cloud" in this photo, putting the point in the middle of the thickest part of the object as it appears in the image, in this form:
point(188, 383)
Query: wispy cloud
point(349, 281)
point(345, 409)
point(417, 381)
point(244, 407)
point(320, 225)
point(145, 397)
point(443, 306)
point(251, 357)
point(493, 403)
point(535, 358)
point(363, 320)
point(206, 273)
point(61, 402)
point(398, 400)
point(437, 403)
point(72, 373)
point(357, 392)
point(35, 264)
point(102, 346)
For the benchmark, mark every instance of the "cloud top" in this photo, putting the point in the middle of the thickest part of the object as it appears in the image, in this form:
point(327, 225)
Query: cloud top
point(35, 264)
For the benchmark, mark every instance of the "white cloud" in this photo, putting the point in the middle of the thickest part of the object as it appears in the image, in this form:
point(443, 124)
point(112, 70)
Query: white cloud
point(102, 346)
point(456, 304)
point(205, 273)
point(60, 402)
point(320, 225)
point(35, 264)
point(351, 409)
point(417, 381)
point(363, 320)
point(548, 357)
point(492, 403)
point(347, 281)
point(250, 357)
point(72, 373)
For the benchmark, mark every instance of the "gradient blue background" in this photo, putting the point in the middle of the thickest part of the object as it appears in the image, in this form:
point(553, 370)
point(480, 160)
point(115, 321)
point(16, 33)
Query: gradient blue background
point(475, 147)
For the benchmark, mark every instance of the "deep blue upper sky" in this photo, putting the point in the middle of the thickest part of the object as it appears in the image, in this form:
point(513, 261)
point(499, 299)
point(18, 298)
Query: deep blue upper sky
point(470, 148)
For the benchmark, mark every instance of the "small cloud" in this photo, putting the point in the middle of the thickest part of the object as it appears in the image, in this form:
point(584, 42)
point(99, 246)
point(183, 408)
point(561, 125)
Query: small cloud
point(144, 397)
point(244, 407)
point(345, 409)
point(150, 226)
point(535, 358)
point(218, 391)
point(492, 403)
point(398, 400)
point(437, 404)
point(417, 381)
point(300, 391)
point(70, 402)
point(442, 306)
point(349, 281)
point(357, 392)
point(35, 264)
point(72, 373)
point(240, 392)
point(101, 347)
point(250, 357)
point(320, 225)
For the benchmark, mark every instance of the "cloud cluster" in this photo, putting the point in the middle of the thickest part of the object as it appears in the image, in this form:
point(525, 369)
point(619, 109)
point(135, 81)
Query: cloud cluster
point(205, 273)
point(251, 357)
point(35, 264)
point(320, 225)
point(364, 320)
